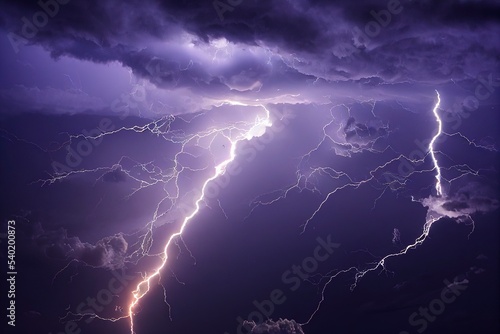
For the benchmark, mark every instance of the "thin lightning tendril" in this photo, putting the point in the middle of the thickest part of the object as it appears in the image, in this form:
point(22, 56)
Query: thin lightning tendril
point(152, 175)
point(431, 218)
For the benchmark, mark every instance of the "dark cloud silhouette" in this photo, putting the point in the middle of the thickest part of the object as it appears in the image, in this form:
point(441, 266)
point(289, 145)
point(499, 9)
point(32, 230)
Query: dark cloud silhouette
point(472, 198)
point(281, 326)
point(108, 252)
point(355, 131)
point(300, 34)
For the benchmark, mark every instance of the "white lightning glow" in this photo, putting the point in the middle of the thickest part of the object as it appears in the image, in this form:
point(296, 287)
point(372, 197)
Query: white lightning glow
point(305, 180)
point(439, 189)
point(143, 287)
point(431, 218)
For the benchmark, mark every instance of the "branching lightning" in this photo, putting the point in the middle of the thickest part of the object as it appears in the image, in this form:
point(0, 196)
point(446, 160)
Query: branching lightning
point(430, 220)
point(307, 178)
point(143, 287)
point(148, 175)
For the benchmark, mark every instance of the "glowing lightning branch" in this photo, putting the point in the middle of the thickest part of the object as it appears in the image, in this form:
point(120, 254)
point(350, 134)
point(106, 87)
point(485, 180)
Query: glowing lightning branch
point(431, 146)
point(306, 176)
point(431, 218)
point(149, 174)
point(143, 287)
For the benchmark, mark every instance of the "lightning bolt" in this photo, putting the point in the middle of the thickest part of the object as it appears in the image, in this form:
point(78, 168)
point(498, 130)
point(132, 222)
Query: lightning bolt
point(439, 189)
point(307, 178)
point(431, 218)
point(149, 175)
point(143, 286)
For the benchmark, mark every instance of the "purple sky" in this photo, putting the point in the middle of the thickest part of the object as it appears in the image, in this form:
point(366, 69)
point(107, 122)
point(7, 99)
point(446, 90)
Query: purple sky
point(115, 114)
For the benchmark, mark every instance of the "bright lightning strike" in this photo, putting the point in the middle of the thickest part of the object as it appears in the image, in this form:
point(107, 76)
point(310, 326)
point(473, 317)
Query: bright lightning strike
point(431, 218)
point(439, 189)
point(305, 180)
point(257, 130)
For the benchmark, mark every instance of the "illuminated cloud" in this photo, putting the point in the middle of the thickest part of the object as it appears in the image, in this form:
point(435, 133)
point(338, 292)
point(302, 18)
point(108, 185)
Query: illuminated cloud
point(468, 200)
point(108, 252)
point(282, 326)
point(187, 45)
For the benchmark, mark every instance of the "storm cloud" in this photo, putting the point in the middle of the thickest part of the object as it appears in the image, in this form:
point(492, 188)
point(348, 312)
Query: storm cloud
point(108, 252)
point(281, 326)
point(380, 41)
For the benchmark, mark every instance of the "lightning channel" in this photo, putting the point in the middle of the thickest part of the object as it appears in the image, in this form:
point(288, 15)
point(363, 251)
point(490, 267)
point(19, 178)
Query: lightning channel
point(143, 286)
point(431, 218)
point(438, 186)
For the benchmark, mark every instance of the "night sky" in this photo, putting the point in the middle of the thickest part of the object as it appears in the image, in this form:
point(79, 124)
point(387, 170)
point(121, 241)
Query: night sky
point(250, 167)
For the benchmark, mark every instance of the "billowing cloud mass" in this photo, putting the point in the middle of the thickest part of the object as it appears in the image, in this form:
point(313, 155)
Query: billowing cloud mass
point(471, 198)
point(108, 252)
point(281, 326)
point(251, 46)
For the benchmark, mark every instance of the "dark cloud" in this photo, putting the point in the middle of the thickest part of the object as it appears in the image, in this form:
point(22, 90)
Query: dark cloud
point(354, 130)
point(108, 252)
point(318, 60)
point(282, 326)
point(434, 12)
point(427, 41)
point(471, 198)
point(459, 12)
